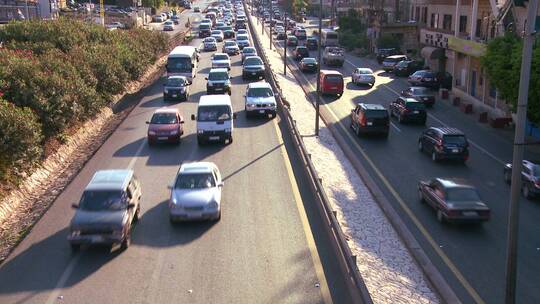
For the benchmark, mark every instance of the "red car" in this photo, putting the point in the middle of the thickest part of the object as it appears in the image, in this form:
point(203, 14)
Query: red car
point(165, 126)
point(331, 82)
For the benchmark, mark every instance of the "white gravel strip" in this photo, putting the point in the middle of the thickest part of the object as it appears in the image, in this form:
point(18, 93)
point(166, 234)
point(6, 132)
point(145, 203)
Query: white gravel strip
point(387, 267)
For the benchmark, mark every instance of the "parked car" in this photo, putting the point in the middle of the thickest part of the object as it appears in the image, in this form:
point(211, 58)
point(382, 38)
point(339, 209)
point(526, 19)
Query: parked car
point(292, 41)
point(363, 76)
point(110, 206)
point(248, 51)
point(391, 61)
point(421, 94)
point(331, 82)
point(260, 99)
point(253, 67)
point(370, 119)
point(218, 81)
point(165, 126)
point(309, 64)
point(231, 48)
point(300, 52)
point(383, 53)
point(530, 178)
point(221, 60)
point(242, 40)
point(424, 78)
point(333, 56)
point(407, 67)
point(168, 26)
point(454, 200)
point(444, 143)
point(196, 193)
point(176, 88)
point(209, 44)
point(312, 43)
point(408, 110)
point(218, 35)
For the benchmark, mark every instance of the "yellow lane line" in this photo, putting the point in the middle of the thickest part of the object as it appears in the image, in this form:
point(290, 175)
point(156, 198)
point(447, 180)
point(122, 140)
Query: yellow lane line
point(323, 285)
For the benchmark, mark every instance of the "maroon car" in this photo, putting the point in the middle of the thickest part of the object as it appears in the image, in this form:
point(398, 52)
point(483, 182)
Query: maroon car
point(165, 126)
point(454, 200)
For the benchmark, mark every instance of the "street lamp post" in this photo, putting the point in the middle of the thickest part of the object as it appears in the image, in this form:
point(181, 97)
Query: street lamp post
point(271, 25)
point(519, 142)
point(318, 72)
point(285, 47)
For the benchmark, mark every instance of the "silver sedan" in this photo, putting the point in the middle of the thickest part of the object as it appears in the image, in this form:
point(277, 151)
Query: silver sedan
point(196, 193)
point(363, 76)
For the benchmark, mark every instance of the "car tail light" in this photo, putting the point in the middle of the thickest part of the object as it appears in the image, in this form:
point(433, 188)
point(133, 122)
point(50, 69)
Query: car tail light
point(537, 183)
point(439, 144)
point(363, 121)
point(485, 213)
point(452, 213)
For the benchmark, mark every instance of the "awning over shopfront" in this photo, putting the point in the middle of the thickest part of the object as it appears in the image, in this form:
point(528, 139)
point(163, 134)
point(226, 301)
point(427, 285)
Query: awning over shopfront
point(429, 52)
point(467, 47)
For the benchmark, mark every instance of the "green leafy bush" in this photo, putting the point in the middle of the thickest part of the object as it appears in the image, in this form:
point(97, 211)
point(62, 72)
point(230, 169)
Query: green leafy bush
point(352, 32)
point(20, 140)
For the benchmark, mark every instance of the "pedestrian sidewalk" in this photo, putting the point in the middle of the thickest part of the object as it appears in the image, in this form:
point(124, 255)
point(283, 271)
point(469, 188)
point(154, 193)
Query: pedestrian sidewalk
point(387, 267)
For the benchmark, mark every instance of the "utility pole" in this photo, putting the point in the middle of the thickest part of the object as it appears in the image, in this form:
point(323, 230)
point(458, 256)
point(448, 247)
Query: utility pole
point(519, 145)
point(318, 71)
point(285, 47)
point(271, 21)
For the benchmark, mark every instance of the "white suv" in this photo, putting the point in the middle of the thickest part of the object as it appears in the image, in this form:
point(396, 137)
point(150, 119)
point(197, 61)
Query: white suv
point(260, 99)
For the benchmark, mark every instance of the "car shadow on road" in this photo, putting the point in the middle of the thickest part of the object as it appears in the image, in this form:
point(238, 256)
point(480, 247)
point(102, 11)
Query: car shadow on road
point(252, 122)
point(358, 87)
point(204, 71)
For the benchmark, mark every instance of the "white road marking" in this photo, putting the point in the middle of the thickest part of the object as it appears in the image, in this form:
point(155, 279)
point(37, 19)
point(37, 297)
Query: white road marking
point(137, 154)
point(63, 279)
point(394, 125)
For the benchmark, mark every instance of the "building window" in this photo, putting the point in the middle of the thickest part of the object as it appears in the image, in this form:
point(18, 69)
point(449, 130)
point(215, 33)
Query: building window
point(424, 15)
point(432, 21)
point(478, 28)
point(462, 24)
point(436, 20)
point(492, 91)
point(447, 22)
point(417, 18)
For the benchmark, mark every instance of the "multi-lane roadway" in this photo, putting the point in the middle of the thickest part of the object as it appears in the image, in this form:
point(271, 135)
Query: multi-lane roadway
point(269, 246)
point(471, 258)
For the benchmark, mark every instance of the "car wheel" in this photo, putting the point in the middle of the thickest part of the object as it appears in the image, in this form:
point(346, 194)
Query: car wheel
point(420, 146)
point(230, 140)
point(434, 156)
point(218, 218)
point(526, 192)
point(200, 141)
point(440, 216)
point(358, 133)
point(137, 214)
point(400, 119)
point(274, 115)
point(75, 247)
point(127, 241)
point(171, 220)
point(508, 176)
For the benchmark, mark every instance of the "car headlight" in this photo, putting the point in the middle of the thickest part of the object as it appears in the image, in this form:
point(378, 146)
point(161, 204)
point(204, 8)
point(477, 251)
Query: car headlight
point(200, 131)
point(212, 205)
point(250, 105)
point(166, 91)
point(182, 89)
point(227, 130)
point(174, 132)
point(151, 133)
point(209, 84)
point(75, 232)
point(117, 233)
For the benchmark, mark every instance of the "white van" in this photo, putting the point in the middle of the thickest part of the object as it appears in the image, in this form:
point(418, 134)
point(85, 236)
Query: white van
point(182, 61)
point(214, 118)
point(329, 38)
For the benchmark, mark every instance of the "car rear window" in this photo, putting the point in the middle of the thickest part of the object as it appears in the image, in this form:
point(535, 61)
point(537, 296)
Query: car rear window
point(420, 91)
point(376, 114)
point(415, 106)
point(334, 79)
point(204, 26)
point(457, 195)
point(454, 139)
point(387, 59)
point(93, 200)
point(221, 57)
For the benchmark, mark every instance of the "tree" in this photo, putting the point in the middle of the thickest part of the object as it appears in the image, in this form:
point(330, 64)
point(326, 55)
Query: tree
point(298, 6)
point(502, 63)
point(387, 41)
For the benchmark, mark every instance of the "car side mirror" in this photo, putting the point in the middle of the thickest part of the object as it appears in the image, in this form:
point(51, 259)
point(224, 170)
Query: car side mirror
point(277, 95)
point(75, 206)
point(170, 186)
point(182, 121)
point(192, 116)
point(221, 184)
point(131, 205)
point(192, 65)
point(147, 122)
point(205, 78)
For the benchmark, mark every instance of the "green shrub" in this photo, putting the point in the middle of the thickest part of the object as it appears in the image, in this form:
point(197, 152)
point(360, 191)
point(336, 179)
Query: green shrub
point(20, 141)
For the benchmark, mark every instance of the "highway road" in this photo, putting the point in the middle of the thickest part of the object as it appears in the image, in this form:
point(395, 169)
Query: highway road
point(269, 246)
point(471, 258)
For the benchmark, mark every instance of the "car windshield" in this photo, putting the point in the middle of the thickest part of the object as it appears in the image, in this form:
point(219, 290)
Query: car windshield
point(176, 82)
point(260, 92)
point(248, 50)
point(164, 118)
point(420, 91)
point(195, 181)
point(334, 79)
point(216, 32)
point(242, 37)
point(253, 61)
point(454, 139)
point(302, 50)
point(93, 200)
point(182, 64)
point(331, 36)
point(309, 60)
point(220, 57)
point(415, 106)
point(402, 64)
point(204, 26)
point(457, 195)
point(209, 39)
point(230, 43)
point(214, 113)
point(216, 76)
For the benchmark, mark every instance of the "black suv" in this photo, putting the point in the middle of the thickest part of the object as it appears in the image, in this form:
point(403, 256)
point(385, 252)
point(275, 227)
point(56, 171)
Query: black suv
point(530, 178)
point(383, 53)
point(408, 110)
point(370, 118)
point(253, 68)
point(312, 43)
point(300, 52)
point(407, 67)
point(444, 143)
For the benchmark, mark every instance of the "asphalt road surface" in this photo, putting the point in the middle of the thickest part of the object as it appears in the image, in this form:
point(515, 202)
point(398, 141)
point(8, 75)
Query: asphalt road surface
point(269, 246)
point(471, 257)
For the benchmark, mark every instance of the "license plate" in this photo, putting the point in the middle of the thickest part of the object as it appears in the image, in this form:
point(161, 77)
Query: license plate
point(253, 74)
point(213, 138)
point(195, 214)
point(416, 112)
point(370, 123)
point(425, 98)
point(261, 111)
point(333, 88)
point(470, 213)
point(163, 138)
point(455, 150)
point(174, 95)
point(96, 239)
point(219, 89)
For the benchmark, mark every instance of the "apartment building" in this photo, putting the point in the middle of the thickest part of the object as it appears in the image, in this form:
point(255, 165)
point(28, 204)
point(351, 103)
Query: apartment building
point(454, 35)
point(30, 9)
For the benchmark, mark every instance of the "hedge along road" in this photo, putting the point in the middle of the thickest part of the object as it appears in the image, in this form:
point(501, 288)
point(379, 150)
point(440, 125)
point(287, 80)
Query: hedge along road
point(269, 246)
point(471, 258)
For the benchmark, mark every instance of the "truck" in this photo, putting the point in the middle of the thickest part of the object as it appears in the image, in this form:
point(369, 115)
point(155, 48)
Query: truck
point(333, 55)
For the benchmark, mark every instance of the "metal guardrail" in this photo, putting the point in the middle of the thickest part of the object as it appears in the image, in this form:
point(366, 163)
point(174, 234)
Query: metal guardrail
point(347, 261)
